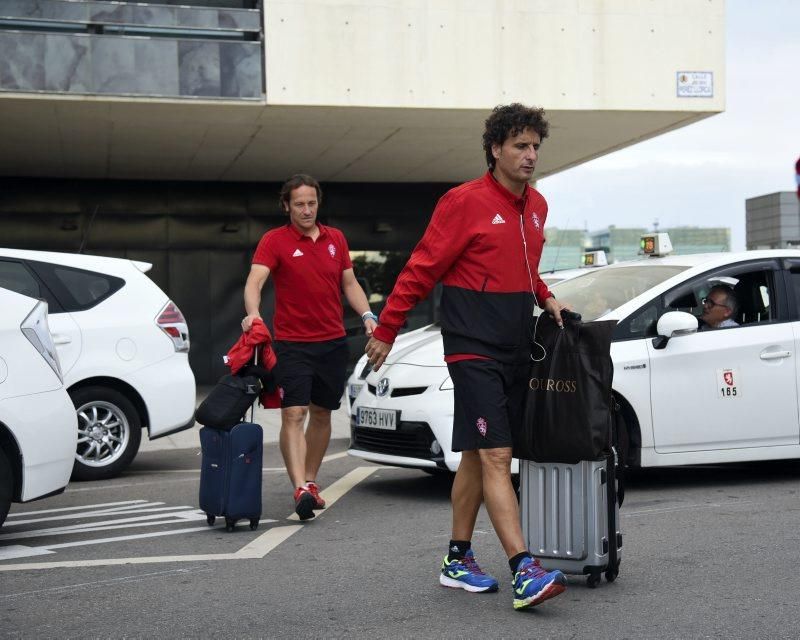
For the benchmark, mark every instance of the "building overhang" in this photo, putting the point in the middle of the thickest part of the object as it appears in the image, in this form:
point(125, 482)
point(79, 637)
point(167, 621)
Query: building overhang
point(73, 137)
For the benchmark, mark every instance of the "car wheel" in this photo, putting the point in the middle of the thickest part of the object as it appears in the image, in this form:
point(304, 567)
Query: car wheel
point(109, 433)
point(6, 480)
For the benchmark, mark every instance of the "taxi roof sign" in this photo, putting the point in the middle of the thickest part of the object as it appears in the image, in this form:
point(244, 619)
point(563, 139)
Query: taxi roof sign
point(594, 259)
point(655, 244)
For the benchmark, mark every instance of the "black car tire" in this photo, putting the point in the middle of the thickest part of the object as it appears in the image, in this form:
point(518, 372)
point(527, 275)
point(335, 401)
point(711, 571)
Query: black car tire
point(6, 488)
point(99, 409)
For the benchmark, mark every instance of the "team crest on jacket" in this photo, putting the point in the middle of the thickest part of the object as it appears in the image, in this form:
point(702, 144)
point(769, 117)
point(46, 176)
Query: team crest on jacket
point(536, 222)
point(482, 426)
point(332, 250)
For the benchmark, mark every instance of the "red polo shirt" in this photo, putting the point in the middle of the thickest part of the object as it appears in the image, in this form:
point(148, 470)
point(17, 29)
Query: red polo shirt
point(308, 281)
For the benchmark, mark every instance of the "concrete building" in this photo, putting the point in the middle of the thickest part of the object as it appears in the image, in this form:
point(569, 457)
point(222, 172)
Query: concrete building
point(773, 221)
point(161, 131)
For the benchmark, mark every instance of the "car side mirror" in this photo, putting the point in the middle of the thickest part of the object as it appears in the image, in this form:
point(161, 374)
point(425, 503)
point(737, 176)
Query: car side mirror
point(673, 324)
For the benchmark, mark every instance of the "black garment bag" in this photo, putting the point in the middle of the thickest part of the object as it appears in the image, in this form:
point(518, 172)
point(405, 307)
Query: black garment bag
point(568, 412)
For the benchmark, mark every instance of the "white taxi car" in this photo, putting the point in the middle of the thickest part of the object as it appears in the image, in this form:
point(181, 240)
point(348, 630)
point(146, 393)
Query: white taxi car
point(37, 419)
point(123, 346)
point(687, 396)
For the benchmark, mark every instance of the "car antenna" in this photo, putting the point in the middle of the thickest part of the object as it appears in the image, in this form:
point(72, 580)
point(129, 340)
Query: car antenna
point(88, 228)
point(558, 247)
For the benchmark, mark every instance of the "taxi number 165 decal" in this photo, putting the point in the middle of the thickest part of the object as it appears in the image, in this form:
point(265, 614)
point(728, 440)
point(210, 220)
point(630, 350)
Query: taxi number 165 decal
point(728, 384)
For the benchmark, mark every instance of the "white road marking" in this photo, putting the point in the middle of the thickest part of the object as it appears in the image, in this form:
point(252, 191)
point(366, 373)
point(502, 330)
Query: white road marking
point(21, 551)
point(149, 507)
point(262, 545)
point(154, 534)
point(256, 549)
point(90, 506)
point(119, 523)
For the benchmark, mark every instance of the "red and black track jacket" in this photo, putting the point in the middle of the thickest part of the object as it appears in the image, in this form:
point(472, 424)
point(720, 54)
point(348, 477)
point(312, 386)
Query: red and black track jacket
point(475, 244)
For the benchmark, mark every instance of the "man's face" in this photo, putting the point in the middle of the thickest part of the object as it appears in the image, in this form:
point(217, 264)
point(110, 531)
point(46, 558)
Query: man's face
point(715, 309)
point(515, 159)
point(302, 207)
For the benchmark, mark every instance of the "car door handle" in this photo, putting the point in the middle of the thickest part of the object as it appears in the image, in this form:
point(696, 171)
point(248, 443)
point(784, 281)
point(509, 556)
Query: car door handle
point(60, 338)
point(775, 355)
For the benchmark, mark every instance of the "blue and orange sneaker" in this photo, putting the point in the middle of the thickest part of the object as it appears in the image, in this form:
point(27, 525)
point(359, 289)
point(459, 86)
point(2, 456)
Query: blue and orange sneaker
point(532, 584)
point(466, 574)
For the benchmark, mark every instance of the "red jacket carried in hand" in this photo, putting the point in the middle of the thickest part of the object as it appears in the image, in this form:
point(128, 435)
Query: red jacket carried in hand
point(241, 354)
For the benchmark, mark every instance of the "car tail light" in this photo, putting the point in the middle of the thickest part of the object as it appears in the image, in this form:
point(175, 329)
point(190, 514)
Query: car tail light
point(172, 322)
point(36, 329)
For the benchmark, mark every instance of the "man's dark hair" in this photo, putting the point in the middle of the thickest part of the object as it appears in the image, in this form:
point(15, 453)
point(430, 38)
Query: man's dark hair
point(297, 180)
point(730, 297)
point(511, 120)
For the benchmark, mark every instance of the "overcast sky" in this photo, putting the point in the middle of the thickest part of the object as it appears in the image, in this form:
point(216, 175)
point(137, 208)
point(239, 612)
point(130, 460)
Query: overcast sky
point(702, 174)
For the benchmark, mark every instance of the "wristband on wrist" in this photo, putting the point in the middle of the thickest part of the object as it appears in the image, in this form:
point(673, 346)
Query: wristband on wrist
point(368, 315)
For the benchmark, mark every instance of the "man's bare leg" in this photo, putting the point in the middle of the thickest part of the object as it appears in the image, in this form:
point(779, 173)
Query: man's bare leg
point(317, 438)
point(293, 443)
point(500, 499)
point(466, 495)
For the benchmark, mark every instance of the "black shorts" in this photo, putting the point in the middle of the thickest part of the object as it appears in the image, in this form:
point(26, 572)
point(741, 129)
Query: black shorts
point(489, 402)
point(312, 372)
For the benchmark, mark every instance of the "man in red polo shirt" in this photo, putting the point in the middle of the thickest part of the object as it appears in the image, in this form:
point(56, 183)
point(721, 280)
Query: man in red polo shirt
point(484, 243)
point(310, 266)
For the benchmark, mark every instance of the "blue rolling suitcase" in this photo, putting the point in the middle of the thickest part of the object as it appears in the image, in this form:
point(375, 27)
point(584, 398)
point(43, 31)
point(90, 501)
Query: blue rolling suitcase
point(230, 476)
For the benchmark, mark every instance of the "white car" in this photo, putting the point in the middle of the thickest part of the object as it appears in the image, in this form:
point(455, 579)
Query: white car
point(123, 346)
point(687, 396)
point(37, 419)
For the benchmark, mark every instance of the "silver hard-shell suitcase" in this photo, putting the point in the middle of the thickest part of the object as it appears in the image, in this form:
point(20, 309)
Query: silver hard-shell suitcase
point(566, 520)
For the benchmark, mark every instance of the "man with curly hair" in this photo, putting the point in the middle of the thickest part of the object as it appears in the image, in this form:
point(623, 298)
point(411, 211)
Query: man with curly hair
point(484, 243)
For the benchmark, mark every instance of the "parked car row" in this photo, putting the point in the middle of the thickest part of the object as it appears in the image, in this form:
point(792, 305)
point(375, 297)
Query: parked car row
point(116, 350)
point(687, 396)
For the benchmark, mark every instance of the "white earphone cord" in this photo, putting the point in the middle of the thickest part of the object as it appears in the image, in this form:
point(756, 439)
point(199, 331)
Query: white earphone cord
point(533, 292)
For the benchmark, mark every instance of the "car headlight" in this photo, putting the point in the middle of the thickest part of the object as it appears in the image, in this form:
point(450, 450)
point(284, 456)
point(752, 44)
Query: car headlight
point(447, 384)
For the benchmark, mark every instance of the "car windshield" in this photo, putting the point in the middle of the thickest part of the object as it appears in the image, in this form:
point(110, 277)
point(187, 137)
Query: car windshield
point(600, 291)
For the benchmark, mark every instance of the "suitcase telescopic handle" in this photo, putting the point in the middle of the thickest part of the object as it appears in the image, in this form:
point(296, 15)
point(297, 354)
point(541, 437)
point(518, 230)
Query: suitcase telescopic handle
point(253, 406)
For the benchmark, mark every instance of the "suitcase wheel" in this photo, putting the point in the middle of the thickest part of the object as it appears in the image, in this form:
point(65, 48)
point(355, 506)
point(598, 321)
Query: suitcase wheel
point(592, 580)
point(612, 573)
point(210, 519)
point(229, 524)
point(253, 524)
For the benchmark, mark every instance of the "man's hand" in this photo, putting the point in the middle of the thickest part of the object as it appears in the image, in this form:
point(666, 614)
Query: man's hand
point(554, 307)
point(376, 352)
point(369, 326)
point(248, 321)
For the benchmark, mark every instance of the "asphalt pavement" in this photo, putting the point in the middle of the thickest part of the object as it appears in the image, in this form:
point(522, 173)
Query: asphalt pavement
point(708, 552)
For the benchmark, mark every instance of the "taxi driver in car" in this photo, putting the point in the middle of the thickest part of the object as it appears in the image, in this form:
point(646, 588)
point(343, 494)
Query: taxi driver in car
point(719, 307)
